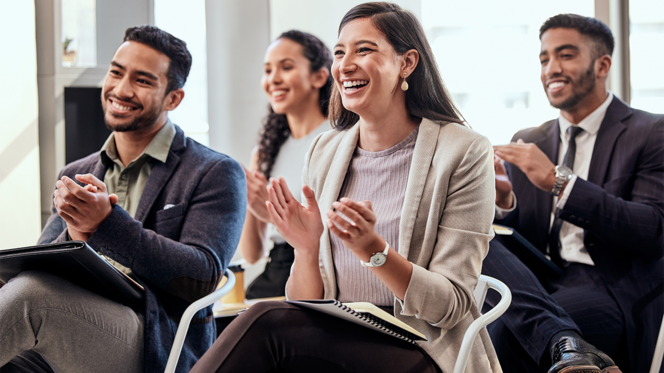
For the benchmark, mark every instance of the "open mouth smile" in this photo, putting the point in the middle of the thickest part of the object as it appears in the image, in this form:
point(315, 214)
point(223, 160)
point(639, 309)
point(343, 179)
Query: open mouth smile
point(352, 86)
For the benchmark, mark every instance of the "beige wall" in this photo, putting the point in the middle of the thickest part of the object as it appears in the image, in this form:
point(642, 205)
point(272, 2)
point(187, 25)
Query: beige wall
point(19, 143)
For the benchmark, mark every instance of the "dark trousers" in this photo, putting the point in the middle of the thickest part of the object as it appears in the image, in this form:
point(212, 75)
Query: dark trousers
point(578, 301)
point(281, 337)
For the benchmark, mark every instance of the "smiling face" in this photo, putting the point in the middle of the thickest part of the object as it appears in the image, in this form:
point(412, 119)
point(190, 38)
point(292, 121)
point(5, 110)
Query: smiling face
point(133, 95)
point(367, 69)
point(287, 79)
point(569, 72)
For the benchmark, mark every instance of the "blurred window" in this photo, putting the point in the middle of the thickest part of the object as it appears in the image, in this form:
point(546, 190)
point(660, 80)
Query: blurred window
point(487, 52)
point(186, 20)
point(79, 33)
point(646, 42)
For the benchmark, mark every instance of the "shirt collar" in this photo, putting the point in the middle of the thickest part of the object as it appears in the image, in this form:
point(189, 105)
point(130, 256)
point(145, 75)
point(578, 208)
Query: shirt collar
point(591, 123)
point(158, 148)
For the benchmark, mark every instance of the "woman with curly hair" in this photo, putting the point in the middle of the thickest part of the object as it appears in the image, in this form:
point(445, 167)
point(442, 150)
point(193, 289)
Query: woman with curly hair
point(297, 82)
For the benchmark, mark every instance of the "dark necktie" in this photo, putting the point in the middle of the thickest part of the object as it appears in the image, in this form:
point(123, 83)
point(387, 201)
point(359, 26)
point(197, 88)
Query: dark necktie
point(554, 235)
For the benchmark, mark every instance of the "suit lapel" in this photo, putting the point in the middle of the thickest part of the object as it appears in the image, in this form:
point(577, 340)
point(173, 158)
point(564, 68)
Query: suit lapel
point(608, 134)
point(425, 146)
point(99, 170)
point(330, 193)
point(549, 143)
point(159, 175)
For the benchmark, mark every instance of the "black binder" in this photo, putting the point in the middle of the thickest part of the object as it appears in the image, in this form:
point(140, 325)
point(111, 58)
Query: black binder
point(534, 259)
point(76, 262)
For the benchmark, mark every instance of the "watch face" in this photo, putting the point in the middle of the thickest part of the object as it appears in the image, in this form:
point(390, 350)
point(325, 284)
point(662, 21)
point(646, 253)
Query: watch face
point(378, 259)
point(564, 171)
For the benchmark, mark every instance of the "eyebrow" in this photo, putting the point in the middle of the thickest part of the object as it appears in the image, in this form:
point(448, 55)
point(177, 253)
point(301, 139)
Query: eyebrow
point(141, 73)
point(359, 42)
point(560, 48)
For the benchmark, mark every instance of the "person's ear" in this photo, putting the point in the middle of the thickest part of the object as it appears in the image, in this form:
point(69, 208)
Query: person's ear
point(603, 65)
point(410, 60)
point(173, 99)
point(319, 78)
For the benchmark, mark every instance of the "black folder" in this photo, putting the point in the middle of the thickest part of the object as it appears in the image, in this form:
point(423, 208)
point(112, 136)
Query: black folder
point(76, 262)
point(534, 259)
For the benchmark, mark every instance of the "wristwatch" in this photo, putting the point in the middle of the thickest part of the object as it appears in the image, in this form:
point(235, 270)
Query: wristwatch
point(563, 174)
point(377, 259)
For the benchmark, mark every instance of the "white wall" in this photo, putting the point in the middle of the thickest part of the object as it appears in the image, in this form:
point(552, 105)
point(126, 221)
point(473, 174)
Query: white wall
point(320, 18)
point(19, 144)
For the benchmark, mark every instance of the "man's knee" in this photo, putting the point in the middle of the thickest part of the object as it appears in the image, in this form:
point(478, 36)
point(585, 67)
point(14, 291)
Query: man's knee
point(31, 287)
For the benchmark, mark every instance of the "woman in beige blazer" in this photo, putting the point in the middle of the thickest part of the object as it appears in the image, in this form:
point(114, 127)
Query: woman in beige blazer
point(389, 106)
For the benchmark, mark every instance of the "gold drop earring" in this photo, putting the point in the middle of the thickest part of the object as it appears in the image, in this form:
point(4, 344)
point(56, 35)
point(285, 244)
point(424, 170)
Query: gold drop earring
point(404, 85)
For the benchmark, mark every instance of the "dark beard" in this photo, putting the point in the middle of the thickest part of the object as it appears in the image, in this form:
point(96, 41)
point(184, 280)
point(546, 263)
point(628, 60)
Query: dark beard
point(144, 121)
point(585, 85)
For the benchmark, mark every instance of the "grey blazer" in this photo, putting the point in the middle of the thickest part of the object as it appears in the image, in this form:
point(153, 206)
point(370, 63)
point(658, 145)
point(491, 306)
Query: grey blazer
point(445, 231)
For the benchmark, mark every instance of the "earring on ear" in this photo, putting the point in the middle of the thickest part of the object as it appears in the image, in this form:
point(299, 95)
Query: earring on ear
point(404, 85)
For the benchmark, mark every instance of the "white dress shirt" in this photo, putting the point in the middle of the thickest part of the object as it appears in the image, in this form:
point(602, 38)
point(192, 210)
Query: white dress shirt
point(571, 236)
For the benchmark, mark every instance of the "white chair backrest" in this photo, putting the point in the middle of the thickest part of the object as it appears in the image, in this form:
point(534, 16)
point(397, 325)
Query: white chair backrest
point(189, 313)
point(483, 285)
point(659, 351)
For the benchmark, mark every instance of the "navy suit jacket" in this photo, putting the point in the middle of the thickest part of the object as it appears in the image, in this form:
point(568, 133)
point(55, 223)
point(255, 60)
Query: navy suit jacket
point(621, 209)
point(178, 254)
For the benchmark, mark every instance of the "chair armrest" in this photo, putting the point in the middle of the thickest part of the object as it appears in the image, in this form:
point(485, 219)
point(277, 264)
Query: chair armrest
point(484, 320)
point(189, 313)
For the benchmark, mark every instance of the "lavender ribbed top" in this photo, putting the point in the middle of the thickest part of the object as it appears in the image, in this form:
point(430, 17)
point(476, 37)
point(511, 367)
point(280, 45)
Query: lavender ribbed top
point(379, 177)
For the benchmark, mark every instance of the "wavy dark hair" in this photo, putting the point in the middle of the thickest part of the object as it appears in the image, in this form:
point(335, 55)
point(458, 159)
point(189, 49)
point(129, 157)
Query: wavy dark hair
point(275, 129)
point(427, 96)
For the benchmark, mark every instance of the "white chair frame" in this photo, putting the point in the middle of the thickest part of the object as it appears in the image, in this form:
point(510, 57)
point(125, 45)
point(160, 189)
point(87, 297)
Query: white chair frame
point(189, 313)
point(659, 351)
point(483, 285)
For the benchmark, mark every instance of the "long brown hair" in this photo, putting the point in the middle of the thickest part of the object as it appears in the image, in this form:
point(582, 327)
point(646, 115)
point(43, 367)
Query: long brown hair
point(275, 129)
point(427, 96)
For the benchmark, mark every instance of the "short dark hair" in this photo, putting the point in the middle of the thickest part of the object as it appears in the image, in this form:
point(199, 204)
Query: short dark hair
point(427, 96)
point(598, 32)
point(174, 48)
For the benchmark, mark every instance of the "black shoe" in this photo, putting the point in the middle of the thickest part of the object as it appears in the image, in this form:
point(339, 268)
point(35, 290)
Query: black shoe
point(571, 354)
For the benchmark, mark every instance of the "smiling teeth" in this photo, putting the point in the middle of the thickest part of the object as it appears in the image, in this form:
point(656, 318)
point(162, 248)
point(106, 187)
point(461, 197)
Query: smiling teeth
point(278, 93)
point(349, 84)
point(555, 85)
point(120, 107)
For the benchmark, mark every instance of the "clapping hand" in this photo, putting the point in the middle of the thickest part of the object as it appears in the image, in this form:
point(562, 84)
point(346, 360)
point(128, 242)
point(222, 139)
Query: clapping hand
point(83, 208)
point(257, 195)
point(531, 160)
point(357, 231)
point(300, 225)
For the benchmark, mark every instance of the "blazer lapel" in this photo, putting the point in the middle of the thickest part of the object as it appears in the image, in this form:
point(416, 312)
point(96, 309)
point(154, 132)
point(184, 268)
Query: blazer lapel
point(330, 193)
point(159, 175)
point(608, 134)
point(425, 146)
point(549, 143)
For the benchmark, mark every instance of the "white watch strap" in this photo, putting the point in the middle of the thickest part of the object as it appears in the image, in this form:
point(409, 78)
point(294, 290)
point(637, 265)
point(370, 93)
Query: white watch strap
point(387, 249)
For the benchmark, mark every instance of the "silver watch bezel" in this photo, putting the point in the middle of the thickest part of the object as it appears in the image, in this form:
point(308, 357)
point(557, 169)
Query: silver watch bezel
point(563, 174)
point(378, 259)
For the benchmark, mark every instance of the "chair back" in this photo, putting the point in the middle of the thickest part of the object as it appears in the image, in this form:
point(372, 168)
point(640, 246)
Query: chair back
point(188, 315)
point(483, 285)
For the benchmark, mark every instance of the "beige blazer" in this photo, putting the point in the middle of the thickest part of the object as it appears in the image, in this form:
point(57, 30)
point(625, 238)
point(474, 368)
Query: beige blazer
point(445, 231)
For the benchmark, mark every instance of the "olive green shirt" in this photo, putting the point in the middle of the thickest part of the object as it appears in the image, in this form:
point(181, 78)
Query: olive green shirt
point(128, 182)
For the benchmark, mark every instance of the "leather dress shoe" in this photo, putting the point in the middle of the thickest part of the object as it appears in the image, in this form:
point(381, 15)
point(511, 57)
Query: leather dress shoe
point(571, 354)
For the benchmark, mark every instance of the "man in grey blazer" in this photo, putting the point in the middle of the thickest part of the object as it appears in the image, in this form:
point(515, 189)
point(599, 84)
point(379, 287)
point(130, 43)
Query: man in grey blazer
point(599, 214)
point(164, 209)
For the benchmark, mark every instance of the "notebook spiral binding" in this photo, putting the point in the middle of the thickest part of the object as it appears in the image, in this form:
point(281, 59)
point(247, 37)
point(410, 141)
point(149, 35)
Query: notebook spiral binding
point(380, 323)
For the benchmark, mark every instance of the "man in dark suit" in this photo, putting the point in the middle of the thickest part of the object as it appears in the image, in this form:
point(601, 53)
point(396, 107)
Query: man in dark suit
point(587, 190)
point(168, 213)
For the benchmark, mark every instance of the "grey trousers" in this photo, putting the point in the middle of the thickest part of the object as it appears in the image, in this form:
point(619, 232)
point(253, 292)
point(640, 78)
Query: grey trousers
point(47, 321)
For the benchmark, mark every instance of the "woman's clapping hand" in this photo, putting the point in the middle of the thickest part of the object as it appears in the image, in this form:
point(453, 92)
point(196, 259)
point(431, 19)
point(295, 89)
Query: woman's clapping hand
point(300, 225)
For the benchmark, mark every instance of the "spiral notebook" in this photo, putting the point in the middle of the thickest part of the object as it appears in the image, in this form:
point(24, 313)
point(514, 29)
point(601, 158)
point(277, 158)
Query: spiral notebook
point(365, 314)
